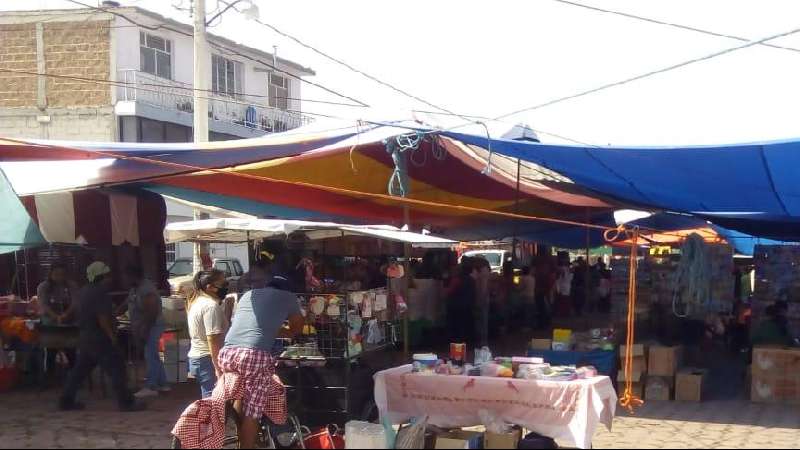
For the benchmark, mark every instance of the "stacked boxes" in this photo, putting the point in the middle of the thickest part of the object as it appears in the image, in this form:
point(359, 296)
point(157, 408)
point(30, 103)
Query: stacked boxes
point(639, 373)
point(663, 364)
point(778, 278)
point(776, 376)
point(690, 385)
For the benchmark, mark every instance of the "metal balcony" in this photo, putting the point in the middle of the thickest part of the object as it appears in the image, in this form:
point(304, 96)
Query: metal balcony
point(243, 111)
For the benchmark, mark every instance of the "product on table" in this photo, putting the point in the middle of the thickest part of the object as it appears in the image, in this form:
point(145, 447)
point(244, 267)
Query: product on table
point(496, 370)
point(425, 363)
point(458, 353)
point(541, 344)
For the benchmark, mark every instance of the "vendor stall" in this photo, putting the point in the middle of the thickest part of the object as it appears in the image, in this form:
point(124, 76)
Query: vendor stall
point(349, 321)
point(569, 411)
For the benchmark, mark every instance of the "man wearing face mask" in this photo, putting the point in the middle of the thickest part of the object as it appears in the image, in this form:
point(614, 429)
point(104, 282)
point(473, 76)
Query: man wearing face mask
point(207, 328)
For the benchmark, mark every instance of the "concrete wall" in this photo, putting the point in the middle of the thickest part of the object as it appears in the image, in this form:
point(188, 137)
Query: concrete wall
point(73, 124)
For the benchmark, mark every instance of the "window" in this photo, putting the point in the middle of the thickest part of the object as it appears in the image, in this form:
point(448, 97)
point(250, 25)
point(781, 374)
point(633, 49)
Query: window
point(171, 253)
point(156, 55)
point(278, 91)
point(181, 268)
point(223, 266)
point(237, 267)
point(226, 76)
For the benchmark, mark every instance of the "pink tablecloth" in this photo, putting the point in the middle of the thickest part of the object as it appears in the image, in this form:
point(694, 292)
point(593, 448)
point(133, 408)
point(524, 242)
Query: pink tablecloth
point(567, 411)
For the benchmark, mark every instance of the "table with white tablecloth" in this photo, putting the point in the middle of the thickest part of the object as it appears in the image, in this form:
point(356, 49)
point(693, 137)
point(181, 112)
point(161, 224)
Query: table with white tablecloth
point(569, 411)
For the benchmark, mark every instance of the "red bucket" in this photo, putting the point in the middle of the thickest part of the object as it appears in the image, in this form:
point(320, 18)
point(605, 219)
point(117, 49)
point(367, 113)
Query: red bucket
point(8, 379)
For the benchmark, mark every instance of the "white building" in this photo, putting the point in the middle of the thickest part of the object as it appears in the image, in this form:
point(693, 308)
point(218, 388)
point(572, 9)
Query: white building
point(125, 74)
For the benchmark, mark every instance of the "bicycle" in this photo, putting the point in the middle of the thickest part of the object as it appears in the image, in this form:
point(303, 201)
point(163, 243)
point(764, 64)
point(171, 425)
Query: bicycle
point(270, 435)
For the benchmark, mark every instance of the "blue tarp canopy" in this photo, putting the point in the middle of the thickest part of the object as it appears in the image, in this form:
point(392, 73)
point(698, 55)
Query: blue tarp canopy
point(751, 188)
point(17, 229)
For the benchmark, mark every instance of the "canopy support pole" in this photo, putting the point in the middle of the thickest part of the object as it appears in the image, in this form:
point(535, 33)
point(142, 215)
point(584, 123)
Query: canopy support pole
point(515, 245)
point(588, 275)
point(406, 282)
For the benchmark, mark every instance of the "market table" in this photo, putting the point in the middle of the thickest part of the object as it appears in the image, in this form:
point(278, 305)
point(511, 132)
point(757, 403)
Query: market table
point(567, 411)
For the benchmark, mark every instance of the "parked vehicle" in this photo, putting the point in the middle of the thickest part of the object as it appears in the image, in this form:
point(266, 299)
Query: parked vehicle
point(181, 273)
point(496, 258)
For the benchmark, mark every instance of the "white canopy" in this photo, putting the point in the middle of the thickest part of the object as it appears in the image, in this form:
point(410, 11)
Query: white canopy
point(244, 230)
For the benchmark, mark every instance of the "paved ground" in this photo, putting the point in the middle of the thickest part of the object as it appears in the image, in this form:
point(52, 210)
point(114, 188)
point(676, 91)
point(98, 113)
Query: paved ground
point(29, 420)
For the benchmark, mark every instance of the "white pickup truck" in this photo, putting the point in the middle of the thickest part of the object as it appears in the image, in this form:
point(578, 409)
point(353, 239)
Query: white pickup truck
point(181, 273)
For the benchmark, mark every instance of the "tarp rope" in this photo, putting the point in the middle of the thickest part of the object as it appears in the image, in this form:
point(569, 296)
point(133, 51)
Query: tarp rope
point(629, 400)
point(385, 197)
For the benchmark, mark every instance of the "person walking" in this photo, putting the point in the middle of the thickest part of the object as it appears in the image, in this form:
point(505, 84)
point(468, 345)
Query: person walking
point(147, 326)
point(207, 327)
point(97, 343)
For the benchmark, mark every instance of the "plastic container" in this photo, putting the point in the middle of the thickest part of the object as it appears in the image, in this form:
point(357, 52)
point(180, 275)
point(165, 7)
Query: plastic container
point(425, 364)
point(364, 435)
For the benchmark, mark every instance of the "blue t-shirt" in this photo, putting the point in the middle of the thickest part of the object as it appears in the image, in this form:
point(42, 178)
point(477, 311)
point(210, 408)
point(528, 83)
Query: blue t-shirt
point(260, 315)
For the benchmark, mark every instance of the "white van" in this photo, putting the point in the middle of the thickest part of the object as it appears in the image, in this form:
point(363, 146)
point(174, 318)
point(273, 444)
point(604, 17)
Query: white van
point(496, 258)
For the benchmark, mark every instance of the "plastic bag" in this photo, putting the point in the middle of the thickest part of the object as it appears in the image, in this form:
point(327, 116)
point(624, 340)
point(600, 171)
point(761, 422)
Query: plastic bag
point(375, 334)
point(493, 423)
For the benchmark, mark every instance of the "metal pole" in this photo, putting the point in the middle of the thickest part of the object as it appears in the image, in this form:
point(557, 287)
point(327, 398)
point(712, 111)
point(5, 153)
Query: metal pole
point(516, 211)
point(202, 71)
point(588, 275)
point(406, 283)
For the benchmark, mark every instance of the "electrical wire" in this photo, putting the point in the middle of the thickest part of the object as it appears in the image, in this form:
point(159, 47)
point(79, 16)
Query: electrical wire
point(351, 67)
point(128, 85)
point(188, 168)
point(164, 26)
point(672, 25)
point(650, 73)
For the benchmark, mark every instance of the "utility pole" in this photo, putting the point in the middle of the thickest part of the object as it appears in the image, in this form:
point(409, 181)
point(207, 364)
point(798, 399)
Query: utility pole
point(202, 70)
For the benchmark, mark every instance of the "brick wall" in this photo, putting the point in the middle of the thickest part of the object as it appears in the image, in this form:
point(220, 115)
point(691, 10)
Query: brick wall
point(17, 52)
point(78, 49)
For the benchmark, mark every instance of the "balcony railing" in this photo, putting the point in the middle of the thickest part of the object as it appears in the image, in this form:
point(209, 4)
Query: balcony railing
point(170, 95)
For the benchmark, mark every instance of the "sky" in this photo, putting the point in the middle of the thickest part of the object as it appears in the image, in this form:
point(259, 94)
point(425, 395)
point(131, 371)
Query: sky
point(489, 58)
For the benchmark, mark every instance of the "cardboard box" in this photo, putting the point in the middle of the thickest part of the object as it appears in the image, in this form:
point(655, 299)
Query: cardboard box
point(639, 351)
point(469, 440)
point(542, 344)
point(772, 361)
point(775, 390)
point(664, 361)
point(502, 441)
point(690, 384)
point(658, 389)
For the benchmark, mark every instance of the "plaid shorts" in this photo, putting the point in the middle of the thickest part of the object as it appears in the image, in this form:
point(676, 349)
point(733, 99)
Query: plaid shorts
point(264, 393)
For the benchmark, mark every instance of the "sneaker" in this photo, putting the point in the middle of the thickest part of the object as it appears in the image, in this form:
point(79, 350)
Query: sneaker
point(134, 407)
point(71, 407)
point(164, 389)
point(146, 393)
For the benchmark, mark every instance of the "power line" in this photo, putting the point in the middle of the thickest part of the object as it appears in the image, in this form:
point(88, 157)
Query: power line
point(353, 68)
point(136, 86)
point(127, 85)
point(163, 26)
point(650, 74)
point(672, 25)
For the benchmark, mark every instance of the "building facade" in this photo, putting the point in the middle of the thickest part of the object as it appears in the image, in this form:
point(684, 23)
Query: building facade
point(125, 74)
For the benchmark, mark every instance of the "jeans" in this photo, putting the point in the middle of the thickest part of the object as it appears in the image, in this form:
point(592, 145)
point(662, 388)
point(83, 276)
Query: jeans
point(202, 369)
point(113, 365)
point(156, 375)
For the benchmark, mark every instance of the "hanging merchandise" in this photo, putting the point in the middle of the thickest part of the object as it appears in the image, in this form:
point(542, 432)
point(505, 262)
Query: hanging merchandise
point(312, 282)
point(692, 294)
point(399, 183)
point(395, 271)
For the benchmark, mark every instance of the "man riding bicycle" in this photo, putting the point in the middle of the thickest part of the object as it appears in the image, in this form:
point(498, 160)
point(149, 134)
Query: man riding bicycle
point(248, 369)
point(260, 319)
